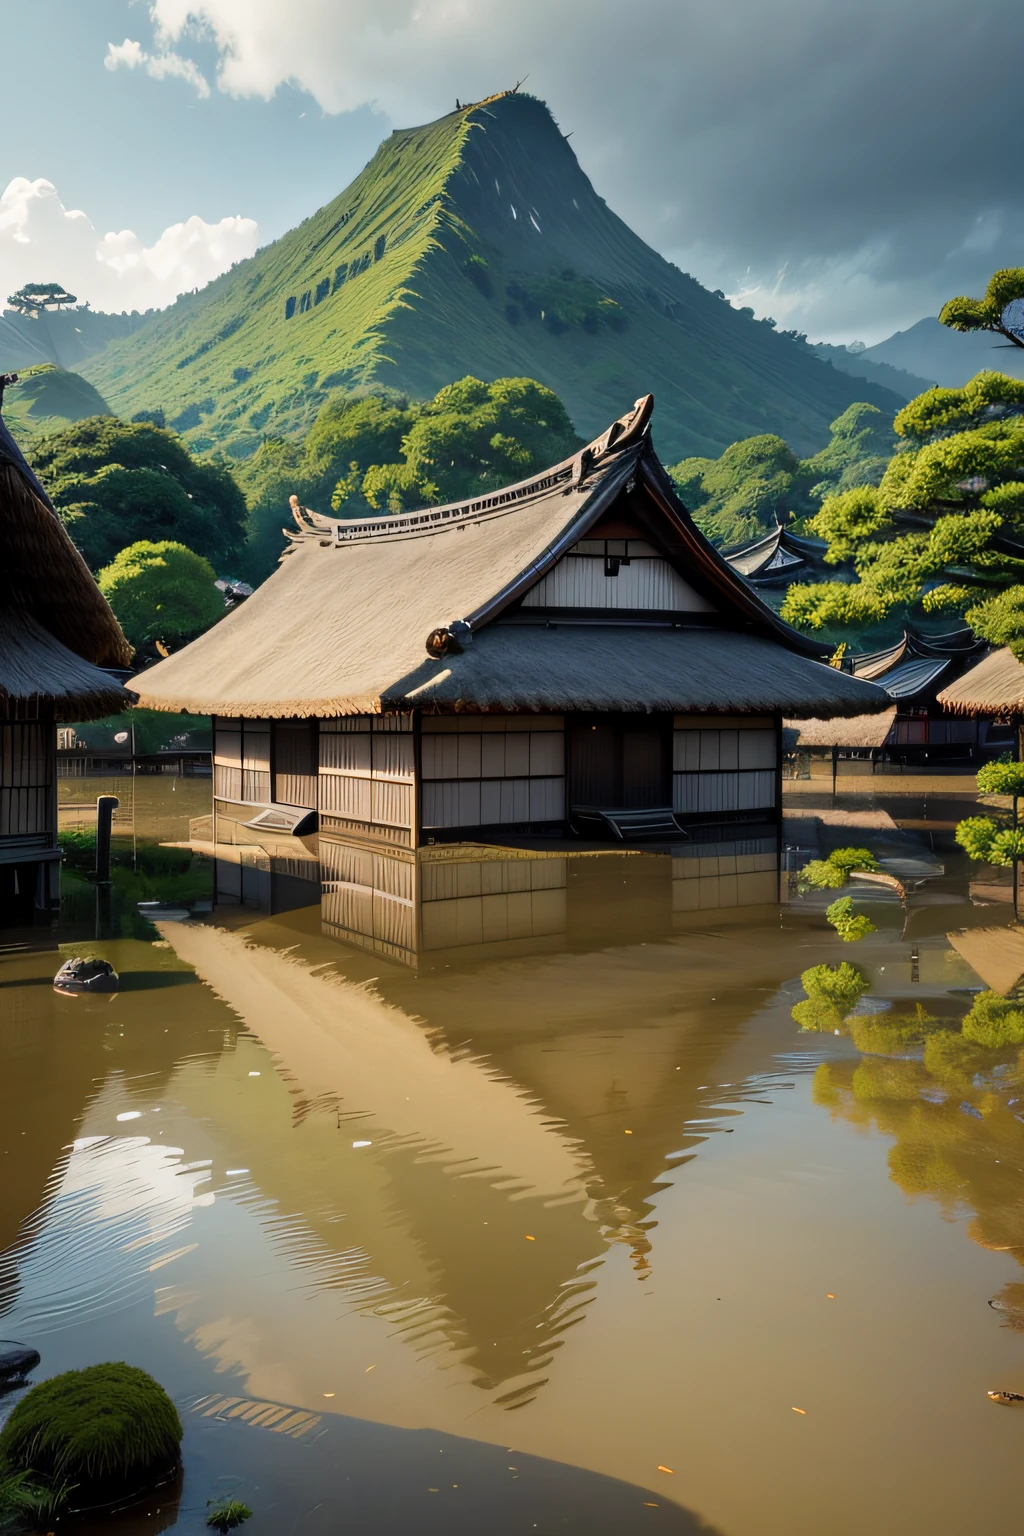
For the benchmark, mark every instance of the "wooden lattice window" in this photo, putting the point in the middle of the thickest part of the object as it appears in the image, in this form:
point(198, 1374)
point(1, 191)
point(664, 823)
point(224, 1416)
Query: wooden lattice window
point(26, 775)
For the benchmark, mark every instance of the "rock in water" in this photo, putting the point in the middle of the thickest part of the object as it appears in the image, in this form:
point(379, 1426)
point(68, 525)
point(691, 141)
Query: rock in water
point(16, 1360)
point(80, 975)
point(1012, 1399)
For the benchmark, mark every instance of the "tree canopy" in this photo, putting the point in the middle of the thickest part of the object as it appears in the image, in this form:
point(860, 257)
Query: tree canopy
point(943, 531)
point(33, 297)
point(377, 452)
point(1000, 311)
point(161, 591)
point(760, 480)
point(116, 482)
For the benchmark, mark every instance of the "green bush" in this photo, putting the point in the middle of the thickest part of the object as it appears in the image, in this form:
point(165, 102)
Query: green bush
point(883, 1034)
point(832, 873)
point(949, 1056)
point(994, 1022)
point(228, 1514)
point(841, 984)
point(109, 1425)
point(849, 925)
point(817, 1013)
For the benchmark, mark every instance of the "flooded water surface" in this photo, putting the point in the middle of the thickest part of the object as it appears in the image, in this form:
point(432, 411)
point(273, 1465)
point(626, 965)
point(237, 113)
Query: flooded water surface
point(564, 1223)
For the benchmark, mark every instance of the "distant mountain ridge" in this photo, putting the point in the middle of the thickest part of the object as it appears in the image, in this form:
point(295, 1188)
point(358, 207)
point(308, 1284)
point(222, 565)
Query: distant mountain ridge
point(64, 337)
point(948, 358)
point(473, 245)
point(861, 366)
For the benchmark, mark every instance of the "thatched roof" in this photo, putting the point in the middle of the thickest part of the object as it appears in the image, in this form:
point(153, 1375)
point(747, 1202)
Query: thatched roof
point(34, 664)
point(564, 666)
point(996, 954)
point(994, 687)
point(854, 731)
point(57, 628)
point(404, 610)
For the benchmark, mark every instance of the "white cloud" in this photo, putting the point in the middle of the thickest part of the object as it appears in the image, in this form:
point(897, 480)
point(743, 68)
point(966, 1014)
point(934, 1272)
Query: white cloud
point(42, 241)
point(162, 66)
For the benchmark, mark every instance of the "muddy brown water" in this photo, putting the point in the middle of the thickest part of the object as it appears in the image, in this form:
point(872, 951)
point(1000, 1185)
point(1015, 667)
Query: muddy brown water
point(548, 1240)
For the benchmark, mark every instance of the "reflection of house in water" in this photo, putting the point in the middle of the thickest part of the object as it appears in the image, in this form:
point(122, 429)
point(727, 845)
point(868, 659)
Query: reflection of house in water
point(566, 657)
point(497, 1098)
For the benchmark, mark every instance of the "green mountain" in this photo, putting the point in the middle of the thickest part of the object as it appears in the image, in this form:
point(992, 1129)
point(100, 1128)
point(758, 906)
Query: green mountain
point(474, 245)
point(47, 399)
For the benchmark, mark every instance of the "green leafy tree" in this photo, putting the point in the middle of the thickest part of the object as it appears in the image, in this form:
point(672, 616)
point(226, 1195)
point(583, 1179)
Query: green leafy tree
point(940, 530)
point(375, 453)
point(33, 297)
point(990, 841)
point(161, 591)
point(1005, 289)
point(994, 1022)
point(473, 438)
point(760, 480)
point(115, 483)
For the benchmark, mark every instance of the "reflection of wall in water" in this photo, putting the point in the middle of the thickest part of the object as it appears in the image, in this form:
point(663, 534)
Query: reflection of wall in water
point(414, 906)
point(713, 876)
point(408, 905)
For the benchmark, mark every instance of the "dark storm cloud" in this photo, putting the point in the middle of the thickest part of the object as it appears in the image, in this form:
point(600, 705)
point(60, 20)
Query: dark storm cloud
point(853, 164)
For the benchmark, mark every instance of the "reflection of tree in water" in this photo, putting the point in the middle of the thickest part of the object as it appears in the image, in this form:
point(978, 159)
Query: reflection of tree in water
point(950, 1093)
point(957, 1138)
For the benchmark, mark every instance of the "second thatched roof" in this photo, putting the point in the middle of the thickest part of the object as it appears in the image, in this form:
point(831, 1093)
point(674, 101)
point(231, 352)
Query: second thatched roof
point(57, 632)
point(994, 687)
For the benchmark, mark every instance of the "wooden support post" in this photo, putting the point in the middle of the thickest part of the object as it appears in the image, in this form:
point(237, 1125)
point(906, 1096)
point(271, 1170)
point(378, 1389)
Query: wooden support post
point(106, 805)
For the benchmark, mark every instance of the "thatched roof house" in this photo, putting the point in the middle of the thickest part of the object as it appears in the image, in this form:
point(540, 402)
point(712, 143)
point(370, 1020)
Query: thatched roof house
point(57, 634)
point(911, 671)
point(489, 605)
point(855, 731)
point(568, 648)
point(994, 687)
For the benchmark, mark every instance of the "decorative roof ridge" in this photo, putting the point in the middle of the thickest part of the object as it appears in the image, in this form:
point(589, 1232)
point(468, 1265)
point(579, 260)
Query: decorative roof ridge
point(572, 473)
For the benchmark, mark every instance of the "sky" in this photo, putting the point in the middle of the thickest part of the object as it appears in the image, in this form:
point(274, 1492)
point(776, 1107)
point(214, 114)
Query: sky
point(842, 168)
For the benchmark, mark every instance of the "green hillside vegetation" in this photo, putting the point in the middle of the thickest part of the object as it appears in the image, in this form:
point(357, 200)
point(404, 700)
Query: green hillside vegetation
point(46, 397)
point(472, 246)
point(760, 480)
point(116, 482)
point(161, 591)
point(369, 453)
point(942, 534)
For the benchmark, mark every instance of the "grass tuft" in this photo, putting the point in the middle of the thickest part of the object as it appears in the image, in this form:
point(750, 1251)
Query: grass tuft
point(106, 1424)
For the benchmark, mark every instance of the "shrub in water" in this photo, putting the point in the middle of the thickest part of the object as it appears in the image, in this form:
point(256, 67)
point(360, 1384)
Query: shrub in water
point(883, 1034)
point(893, 1080)
point(228, 1514)
point(951, 1057)
point(109, 1426)
point(841, 984)
point(849, 925)
point(819, 1014)
point(832, 873)
point(994, 1022)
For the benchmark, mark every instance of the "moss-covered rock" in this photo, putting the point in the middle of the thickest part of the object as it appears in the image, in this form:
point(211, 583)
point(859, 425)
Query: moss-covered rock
point(100, 1431)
